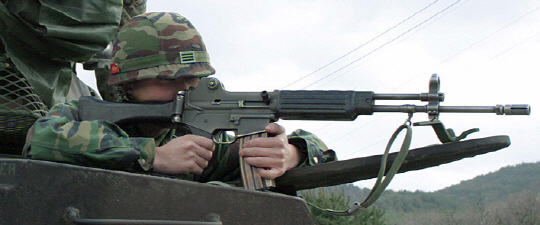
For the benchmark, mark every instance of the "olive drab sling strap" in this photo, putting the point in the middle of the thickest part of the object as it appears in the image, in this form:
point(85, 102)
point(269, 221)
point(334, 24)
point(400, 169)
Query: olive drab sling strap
point(383, 177)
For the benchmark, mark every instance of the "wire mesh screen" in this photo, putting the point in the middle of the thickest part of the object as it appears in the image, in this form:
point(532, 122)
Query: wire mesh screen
point(20, 106)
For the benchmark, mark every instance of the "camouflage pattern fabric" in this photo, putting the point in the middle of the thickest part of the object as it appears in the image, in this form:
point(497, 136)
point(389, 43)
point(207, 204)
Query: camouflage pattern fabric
point(305, 141)
point(62, 137)
point(132, 8)
point(158, 45)
point(60, 33)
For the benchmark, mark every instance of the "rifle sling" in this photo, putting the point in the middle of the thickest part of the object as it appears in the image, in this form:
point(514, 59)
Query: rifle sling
point(383, 178)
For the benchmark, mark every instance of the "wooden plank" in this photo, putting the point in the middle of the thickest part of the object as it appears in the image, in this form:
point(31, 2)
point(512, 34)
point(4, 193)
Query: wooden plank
point(347, 171)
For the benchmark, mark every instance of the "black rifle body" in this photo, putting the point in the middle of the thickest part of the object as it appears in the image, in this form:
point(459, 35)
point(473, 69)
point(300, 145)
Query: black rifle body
point(210, 109)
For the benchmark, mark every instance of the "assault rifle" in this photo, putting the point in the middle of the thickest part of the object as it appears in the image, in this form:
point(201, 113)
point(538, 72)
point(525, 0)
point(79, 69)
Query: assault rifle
point(209, 110)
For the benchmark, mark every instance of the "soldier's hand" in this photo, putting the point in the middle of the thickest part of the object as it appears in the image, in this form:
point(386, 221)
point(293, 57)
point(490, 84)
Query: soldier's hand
point(182, 155)
point(273, 155)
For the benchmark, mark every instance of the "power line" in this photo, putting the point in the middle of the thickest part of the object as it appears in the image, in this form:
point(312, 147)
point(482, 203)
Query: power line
point(362, 149)
point(493, 33)
point(402, 34)
point(371, 52)
point(481, 40)
point(362, 45)
point(505, 51)
point(408, 31)
point(336, 77)
point(350, 132)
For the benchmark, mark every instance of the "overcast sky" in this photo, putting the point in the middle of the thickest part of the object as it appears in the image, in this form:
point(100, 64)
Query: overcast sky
point(485, 52)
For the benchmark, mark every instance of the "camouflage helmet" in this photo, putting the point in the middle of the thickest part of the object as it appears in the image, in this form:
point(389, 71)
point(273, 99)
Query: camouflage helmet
point(158, 45)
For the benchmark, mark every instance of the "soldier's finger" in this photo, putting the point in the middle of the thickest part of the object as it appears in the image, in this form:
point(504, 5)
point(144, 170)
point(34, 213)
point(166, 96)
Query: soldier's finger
point(264, 162)
point(201, 164)
point(261, 152)
point(204, 153)
point(268, 142)
point(202, 141)
point(270, 173)
point(275, 129)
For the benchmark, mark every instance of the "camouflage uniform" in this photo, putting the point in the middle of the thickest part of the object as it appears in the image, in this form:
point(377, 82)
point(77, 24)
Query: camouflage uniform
point(40, 42)
point(156, 52)
point(62, 137)
point(60, 33)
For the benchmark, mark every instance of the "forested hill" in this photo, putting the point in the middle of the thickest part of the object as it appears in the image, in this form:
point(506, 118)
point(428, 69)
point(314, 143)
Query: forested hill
point(479, 200)
point(497, 186)
point(491, 188)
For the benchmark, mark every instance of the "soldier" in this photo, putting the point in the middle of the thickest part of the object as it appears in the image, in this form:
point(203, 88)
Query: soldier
point(40, 43)
point(150, 65)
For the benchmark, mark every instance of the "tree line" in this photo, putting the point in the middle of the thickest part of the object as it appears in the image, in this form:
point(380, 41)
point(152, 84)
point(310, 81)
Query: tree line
point(510, 195)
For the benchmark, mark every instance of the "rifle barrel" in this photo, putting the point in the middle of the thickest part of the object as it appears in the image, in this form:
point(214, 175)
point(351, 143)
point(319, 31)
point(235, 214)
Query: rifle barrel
point(422, 97)
point(498, 109)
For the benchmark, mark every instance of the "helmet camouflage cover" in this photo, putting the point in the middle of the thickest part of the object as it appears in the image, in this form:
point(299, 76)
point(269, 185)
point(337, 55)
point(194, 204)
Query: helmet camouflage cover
point(158, 45)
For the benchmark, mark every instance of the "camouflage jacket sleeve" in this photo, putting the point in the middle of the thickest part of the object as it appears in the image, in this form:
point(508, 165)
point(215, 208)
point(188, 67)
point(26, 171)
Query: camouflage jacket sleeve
point(62, 137)
point(224, 166)
point(313, 148)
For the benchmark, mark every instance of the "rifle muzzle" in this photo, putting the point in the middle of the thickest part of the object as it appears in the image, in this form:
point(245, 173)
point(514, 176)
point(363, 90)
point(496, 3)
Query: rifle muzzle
point(513, 110)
